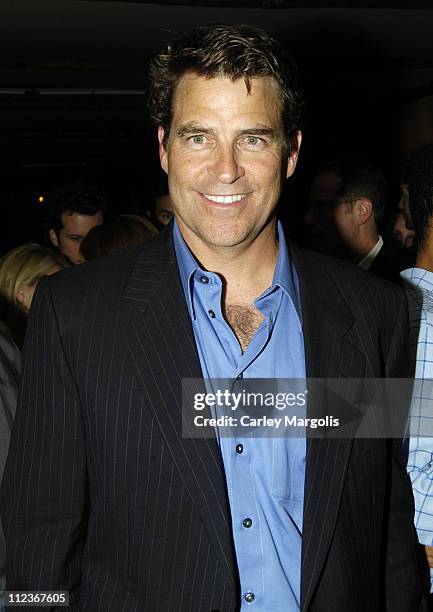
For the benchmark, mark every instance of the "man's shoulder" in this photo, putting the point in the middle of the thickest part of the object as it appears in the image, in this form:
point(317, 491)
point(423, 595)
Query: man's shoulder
point(335, 286)
point(107, 275)
point(344, 273)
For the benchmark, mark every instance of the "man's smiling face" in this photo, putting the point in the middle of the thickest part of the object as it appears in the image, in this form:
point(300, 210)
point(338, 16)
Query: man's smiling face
point(225, 159)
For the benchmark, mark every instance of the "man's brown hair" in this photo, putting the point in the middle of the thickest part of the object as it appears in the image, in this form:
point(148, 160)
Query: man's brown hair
point(234, 51)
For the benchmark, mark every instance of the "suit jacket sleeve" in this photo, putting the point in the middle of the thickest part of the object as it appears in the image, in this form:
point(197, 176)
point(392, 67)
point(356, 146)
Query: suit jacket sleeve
point(403, 574)
point(44, 491)
point(10, 367)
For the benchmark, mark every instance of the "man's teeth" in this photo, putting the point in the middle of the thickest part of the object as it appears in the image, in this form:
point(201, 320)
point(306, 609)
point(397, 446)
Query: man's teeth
point(219, 199)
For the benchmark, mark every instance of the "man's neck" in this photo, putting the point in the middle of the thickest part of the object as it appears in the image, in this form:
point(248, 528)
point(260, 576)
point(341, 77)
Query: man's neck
point(424, 256)
point(424, 259)
point(246, 270)
point(363, 247)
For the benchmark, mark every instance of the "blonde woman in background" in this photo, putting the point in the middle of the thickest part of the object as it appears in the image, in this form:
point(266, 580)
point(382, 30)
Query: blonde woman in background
point(20, 271)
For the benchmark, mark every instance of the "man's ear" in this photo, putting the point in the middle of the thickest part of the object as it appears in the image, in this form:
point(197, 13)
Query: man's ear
point(364, 210)
point(293, 157)
point(162, 150)
point(53, 237)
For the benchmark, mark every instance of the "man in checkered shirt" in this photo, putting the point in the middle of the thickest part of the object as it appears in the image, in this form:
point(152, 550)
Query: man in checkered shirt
point(418, 283)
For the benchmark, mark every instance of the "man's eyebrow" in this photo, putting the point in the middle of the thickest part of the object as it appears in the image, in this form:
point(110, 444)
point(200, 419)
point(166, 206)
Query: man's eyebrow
point(191, 128)
point(257, 131)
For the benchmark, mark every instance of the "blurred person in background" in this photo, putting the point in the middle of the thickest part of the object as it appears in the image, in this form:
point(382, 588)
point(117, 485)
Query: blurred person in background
point(115, 234)
point(400, 239)
point(20, 270)
point(72, 210)
point(161, 208)
point(400, 231)
point(164, 209)
point(347, 204)
point(420, 159)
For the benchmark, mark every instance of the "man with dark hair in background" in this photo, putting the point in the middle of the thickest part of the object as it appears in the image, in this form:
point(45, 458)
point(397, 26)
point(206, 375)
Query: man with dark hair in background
point(105, 497)
point(347, 203)
point(71, 211)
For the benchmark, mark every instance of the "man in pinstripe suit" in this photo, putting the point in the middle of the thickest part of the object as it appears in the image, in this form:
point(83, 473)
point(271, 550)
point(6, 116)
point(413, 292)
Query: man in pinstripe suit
point(102, 495)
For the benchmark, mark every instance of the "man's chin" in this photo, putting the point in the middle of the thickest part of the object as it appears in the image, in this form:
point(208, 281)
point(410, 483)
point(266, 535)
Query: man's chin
point(223, 241)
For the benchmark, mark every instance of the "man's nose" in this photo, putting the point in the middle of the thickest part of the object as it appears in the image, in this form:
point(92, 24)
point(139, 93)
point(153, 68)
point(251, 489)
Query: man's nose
point(226, 167)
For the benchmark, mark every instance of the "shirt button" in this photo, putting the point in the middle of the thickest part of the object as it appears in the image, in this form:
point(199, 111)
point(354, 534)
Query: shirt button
point(204, 280)
point(247, 523)
point(211, 314)
point(239, 449)
point(249, 597)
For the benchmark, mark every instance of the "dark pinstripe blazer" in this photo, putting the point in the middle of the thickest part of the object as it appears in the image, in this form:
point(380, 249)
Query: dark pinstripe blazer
point(104, 498)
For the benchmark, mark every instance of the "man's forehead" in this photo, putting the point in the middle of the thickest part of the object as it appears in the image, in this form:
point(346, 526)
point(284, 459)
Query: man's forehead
point(247, 81)
point(77, 222)
point(195, 93)
point(74, 214)
point(68, 213)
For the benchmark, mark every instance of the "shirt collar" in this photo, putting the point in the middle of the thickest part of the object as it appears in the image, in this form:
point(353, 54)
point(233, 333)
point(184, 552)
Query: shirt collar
point(418, 278)
point(418, 285)
point(285, 275)
point(366, 261)
point(187, 266)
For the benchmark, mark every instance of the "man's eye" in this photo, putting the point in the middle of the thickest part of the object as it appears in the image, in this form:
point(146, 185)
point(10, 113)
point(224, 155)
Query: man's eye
point(253, 141)
point(198, 139)
point(165, 216)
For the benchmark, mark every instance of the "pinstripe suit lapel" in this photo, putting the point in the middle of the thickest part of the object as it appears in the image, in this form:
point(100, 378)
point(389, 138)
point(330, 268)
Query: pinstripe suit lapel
point(329, 354)
point(159, 339)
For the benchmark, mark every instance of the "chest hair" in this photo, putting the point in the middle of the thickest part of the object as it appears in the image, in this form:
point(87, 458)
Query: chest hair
point(244, 321)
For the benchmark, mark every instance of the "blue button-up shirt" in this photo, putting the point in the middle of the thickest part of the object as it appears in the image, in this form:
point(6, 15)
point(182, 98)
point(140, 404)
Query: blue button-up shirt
point(265, 481)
